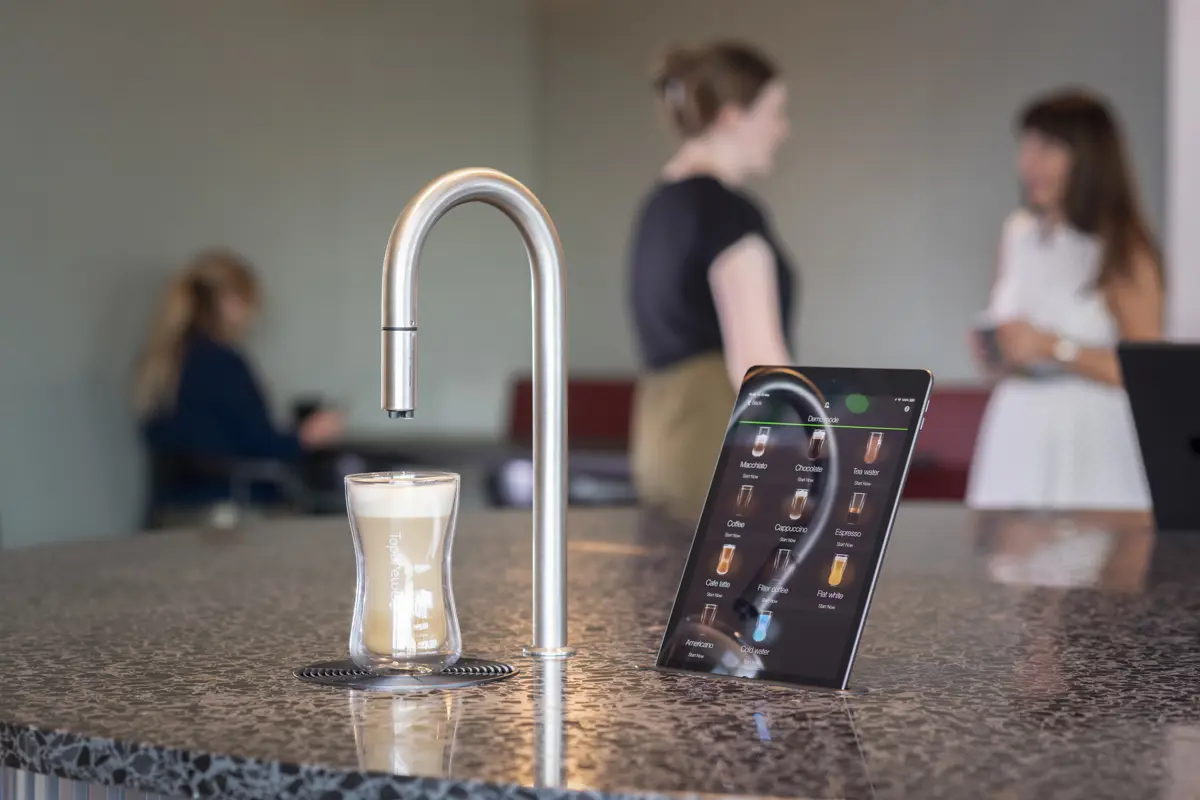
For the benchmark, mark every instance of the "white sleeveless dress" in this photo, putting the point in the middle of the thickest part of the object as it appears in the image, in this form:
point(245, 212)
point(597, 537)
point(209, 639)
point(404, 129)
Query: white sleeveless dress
point(1062, 442)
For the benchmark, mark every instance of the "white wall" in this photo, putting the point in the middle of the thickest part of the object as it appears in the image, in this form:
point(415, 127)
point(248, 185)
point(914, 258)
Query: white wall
point(893, 187)
point(1183, 184)
point(134, 131)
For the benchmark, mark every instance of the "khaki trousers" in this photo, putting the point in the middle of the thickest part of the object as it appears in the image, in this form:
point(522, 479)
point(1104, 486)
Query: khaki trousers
point(680, 415)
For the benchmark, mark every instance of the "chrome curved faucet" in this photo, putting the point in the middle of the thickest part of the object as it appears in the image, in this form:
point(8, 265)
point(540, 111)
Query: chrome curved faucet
point(549, 364)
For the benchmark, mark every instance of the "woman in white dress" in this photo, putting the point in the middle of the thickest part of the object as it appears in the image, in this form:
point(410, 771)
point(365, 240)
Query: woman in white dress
point(1078, 272)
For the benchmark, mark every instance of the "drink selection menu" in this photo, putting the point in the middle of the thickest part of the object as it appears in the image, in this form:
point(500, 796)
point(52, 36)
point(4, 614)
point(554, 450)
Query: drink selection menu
point(787, 550)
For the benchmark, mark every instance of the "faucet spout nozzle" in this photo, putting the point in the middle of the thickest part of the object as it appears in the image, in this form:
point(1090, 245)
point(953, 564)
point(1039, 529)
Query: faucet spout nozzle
point(398, 371)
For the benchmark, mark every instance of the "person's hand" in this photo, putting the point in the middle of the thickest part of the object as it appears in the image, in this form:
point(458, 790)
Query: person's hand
point(979, 352)
point(1023, 345)
point(320, 428)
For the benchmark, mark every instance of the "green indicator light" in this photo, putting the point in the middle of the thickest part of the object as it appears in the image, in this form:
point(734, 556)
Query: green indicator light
point(857, 403)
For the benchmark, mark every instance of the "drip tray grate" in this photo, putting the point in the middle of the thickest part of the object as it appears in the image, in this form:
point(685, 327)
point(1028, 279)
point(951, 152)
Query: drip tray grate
point(348, 675)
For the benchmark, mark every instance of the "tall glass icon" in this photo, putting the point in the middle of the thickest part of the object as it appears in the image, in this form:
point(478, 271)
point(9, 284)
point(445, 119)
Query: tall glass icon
point(709, 614)
point(783, 557)
point(815, 444)
point(760, 442)
point(402, 524)
point(873, 445)
point(857, 501)
point(726, 560)
point(799, 501)
point(743, 499)
point(838, 569)
point(760, 630)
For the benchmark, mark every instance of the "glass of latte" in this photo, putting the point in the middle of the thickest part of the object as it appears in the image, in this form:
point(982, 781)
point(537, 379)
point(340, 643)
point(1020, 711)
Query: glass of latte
point(403, 529)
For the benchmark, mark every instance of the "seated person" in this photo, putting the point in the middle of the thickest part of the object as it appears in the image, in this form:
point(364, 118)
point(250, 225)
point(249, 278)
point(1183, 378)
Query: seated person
point(201, 408)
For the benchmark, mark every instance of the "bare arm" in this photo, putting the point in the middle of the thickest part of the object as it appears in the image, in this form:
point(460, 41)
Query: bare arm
point(1137, 304)
point(746, 294)
point(1001, 304)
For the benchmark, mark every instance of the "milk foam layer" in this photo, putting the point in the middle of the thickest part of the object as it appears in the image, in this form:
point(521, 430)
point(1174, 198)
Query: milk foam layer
point(411, 500)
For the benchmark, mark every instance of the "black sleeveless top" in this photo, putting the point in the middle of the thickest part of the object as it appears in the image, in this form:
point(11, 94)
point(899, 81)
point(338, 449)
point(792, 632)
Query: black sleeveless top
point(681, 229)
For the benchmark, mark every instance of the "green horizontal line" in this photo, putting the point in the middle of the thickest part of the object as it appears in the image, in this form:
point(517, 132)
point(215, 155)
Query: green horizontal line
point(820, 425)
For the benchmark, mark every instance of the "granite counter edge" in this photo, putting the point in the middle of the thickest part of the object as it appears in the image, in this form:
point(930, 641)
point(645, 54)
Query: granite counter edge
point(181, 773)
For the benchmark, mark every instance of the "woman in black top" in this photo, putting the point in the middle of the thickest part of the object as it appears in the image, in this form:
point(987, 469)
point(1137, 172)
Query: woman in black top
point(711, 289)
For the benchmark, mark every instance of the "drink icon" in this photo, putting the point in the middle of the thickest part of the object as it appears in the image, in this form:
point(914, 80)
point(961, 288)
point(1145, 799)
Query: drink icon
point(764, 622)
point(708, 614)
point(760, 442)
point(726, 560)
point(743, 499)
point(799, 501)
point(838, 569)
point(783, 557)
point(873, 447)
point(857, 501)
point(815, 445)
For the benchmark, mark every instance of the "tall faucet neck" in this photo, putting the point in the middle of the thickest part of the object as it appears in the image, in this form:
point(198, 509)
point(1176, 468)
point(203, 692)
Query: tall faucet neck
point(430, 204)
point(398, 363)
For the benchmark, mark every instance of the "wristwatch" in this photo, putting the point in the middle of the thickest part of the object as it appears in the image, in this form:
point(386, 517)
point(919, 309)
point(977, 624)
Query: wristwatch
point(1065, 351)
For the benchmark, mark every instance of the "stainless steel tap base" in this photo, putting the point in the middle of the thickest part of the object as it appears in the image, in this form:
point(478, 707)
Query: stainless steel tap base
point(548, 652)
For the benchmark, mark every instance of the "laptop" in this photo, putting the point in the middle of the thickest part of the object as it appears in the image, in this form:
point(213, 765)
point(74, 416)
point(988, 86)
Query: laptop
point(1163, 383)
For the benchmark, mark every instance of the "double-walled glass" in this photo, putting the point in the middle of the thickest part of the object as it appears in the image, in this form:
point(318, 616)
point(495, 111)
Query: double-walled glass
point(403, 529)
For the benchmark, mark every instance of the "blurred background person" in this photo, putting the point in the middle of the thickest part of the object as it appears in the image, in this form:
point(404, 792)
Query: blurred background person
point(202, 410)
point(711, 288)
point(1078, 272)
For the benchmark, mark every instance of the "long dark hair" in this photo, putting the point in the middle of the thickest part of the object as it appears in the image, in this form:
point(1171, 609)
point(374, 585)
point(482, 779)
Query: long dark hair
point(1101, 197)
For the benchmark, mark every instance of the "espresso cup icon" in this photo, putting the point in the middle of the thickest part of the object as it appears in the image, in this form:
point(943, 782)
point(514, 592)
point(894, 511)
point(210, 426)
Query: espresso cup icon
point(783, 557)
point(745, 493)
point(799, 501)
point(816, 444)
point(760, 442)
point(873, 445)
point(760, 629)
point(857, 501)
point(838, 570)
point(726, 559)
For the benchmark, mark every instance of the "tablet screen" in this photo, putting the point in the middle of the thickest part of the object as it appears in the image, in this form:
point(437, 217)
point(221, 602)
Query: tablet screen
point(786, 554)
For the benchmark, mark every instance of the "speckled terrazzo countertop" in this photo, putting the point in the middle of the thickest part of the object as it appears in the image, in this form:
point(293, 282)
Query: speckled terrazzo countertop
point(1006, 656)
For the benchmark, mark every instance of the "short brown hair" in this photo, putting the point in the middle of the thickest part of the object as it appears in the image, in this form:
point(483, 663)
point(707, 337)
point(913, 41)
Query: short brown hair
point(1101, 194)
point(696, 83)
